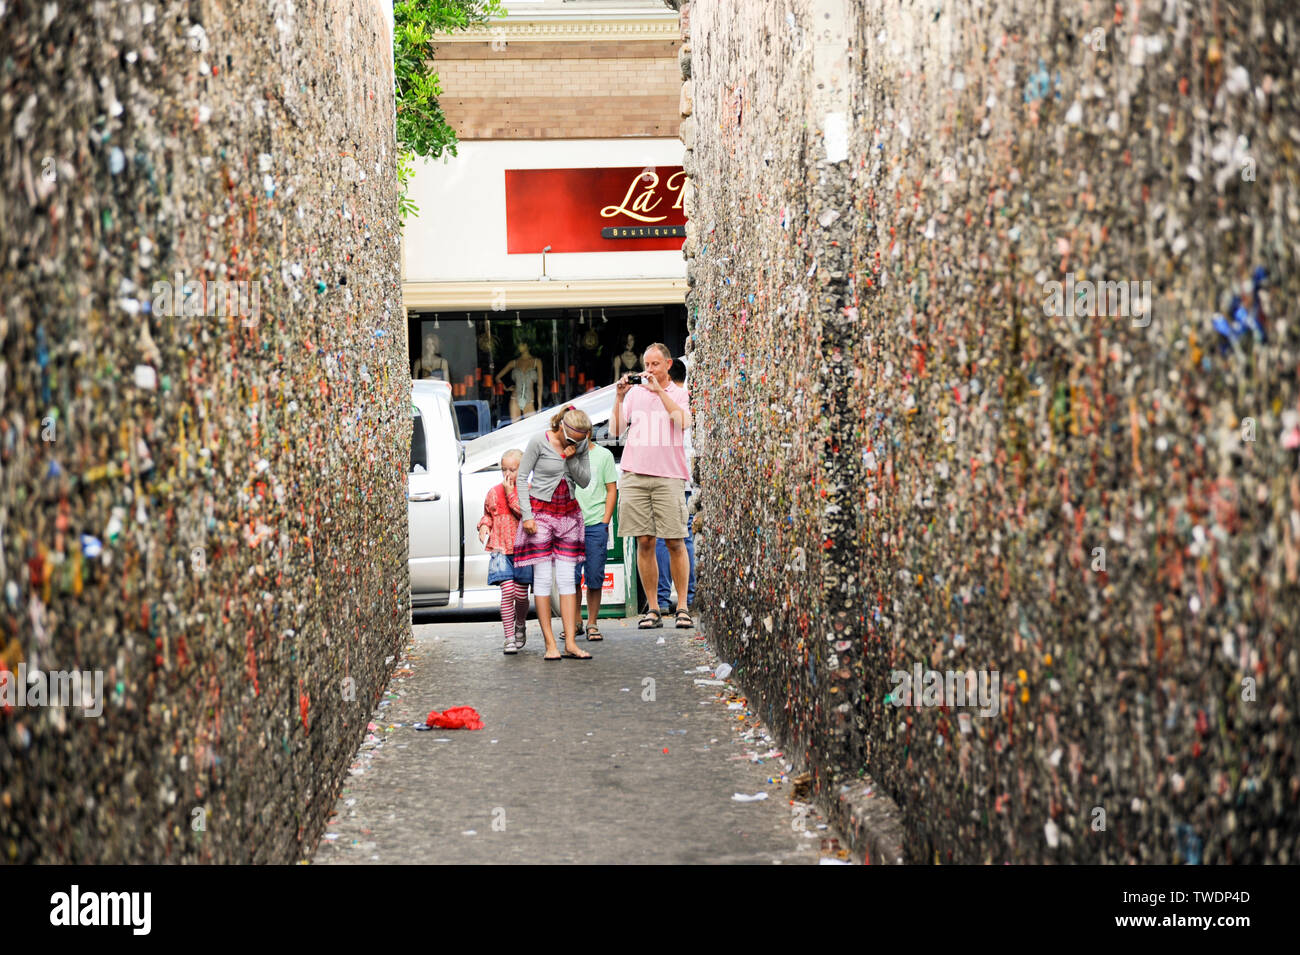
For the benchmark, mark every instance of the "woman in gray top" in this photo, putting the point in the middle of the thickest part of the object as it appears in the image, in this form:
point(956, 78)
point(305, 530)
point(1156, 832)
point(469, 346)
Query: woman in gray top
point(552, 531)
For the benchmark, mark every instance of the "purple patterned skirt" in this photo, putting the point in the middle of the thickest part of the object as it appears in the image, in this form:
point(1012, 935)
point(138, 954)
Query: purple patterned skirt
point(561, 532)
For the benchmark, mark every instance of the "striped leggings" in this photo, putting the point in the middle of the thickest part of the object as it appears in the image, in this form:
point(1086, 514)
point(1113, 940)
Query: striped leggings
point(514, 605)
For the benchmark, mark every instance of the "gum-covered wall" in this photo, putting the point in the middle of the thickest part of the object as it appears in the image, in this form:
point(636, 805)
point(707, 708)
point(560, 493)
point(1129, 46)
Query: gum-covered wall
point(201, 490)
point(913, 455)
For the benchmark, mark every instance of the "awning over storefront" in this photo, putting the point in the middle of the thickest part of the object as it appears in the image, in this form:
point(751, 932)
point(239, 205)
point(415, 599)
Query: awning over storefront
point(501, 296)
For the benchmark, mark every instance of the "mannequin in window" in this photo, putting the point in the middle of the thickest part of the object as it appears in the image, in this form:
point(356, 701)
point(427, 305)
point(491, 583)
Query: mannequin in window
point(526, 391)
point(431, 364)
point(589, 350)
point(629, 360)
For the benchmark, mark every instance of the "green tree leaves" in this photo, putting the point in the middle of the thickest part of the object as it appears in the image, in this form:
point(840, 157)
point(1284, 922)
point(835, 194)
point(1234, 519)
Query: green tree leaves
point(422, 129)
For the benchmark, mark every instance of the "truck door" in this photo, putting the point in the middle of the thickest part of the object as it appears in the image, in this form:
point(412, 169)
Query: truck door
point(433, 504)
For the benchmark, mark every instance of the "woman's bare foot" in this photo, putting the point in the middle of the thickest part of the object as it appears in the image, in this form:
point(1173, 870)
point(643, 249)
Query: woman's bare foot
point(571, 649)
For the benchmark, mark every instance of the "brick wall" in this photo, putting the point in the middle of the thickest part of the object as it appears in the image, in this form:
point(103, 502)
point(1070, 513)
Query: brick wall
point(1104, 510)
point(559, 90)
point(208, 510)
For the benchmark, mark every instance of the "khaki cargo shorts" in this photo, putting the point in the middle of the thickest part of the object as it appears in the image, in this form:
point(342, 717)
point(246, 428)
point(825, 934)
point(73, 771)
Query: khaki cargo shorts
point(651, 506)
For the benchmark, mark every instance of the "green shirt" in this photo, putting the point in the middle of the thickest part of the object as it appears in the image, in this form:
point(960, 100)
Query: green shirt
point(603, 471)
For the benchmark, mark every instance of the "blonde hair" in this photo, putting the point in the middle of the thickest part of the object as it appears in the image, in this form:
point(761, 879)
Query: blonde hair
point(575, 418)
point(512, 453)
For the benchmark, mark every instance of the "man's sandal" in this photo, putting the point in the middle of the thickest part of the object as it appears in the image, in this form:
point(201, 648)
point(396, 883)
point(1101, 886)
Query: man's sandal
point(594, 635)
point(683, 615)
point(650, 620)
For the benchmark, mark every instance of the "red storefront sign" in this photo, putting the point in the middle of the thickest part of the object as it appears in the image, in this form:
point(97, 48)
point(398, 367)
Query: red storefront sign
point(622, 209)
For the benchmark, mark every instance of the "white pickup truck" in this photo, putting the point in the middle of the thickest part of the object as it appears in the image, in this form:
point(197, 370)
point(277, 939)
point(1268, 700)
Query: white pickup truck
point(448, 481)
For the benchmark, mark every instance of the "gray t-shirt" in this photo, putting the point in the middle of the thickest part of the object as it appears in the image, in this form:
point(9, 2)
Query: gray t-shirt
point(548, 468)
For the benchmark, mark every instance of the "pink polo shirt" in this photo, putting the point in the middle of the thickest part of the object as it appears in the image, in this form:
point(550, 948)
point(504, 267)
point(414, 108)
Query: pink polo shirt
point(655, 443)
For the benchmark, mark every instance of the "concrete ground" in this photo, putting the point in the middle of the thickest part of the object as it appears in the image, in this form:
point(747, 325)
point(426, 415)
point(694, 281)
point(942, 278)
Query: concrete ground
point(626, 758)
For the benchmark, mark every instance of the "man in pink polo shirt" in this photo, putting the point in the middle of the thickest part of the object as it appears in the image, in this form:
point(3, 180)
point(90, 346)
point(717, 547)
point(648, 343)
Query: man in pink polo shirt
point(652, 492)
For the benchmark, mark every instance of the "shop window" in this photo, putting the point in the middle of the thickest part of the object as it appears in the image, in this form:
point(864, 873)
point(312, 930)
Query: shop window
point(504, 366)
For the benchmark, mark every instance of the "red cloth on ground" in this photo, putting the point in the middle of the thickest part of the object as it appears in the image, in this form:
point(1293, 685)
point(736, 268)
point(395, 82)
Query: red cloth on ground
point(455, 718)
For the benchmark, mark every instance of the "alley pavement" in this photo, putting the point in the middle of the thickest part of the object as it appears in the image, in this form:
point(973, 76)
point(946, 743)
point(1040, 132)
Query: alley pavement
point(637, 756)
